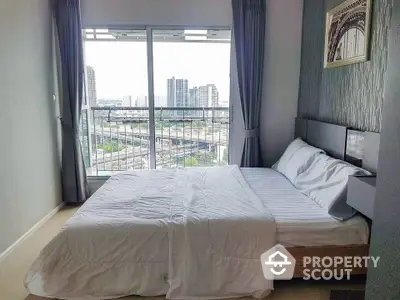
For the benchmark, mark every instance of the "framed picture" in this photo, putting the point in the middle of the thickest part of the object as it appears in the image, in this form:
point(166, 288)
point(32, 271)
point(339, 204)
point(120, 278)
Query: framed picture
point(347, 33)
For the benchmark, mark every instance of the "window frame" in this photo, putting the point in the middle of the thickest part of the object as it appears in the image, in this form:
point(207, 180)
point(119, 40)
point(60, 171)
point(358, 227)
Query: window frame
point(149, 29)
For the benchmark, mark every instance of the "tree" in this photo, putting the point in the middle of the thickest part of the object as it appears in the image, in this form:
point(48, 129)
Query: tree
point(111, 147)
point(206, 158)
point(191, 162)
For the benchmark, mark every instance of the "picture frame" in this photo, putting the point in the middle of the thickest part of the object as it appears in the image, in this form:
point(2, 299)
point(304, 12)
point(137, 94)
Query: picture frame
point(347, 33)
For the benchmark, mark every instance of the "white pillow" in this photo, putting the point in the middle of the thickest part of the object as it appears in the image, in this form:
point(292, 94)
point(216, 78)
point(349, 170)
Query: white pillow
point(297, 157)
point(325, 182)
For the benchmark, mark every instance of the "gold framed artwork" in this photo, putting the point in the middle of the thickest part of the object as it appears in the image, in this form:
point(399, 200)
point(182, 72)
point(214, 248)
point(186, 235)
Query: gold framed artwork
point(347, 33)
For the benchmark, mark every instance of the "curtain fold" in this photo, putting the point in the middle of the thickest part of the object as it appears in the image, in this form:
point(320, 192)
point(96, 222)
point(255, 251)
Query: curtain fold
point(67, 19)
point(249, 32)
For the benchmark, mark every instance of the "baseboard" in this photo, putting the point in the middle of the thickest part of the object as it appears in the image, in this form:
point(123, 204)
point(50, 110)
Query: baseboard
point(30, 231)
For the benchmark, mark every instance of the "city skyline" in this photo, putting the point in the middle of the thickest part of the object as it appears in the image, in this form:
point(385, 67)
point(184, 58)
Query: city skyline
point(178, 94)
point(128, 132)
point(121, 67)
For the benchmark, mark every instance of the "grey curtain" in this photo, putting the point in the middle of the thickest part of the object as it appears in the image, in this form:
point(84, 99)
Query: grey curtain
point(67, 19)
point(249, 33)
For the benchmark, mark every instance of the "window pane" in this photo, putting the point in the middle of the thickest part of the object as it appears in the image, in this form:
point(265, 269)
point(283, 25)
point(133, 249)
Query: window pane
point(116, 76)
point(191, 88)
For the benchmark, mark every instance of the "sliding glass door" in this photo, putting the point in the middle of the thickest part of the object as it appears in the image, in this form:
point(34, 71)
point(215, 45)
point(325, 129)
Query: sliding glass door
point(157, 98)
point(191, 85)
point(117, 94)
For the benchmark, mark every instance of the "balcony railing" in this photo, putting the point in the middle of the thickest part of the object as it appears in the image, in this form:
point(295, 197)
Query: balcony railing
point(184, 137)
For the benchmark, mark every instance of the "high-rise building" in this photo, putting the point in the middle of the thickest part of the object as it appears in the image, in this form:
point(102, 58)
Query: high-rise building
point(194, 97)
point(178, 92)
point(208, 96)
point(194, 100)
point(91, 82)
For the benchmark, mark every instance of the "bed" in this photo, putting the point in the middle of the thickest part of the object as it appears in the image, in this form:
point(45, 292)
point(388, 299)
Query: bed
point(345, 143)
point(299, 221)
point(136, 237)
point(303, 228)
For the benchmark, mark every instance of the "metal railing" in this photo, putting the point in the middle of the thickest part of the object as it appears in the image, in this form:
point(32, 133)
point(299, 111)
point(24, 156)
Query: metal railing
point(184, 137)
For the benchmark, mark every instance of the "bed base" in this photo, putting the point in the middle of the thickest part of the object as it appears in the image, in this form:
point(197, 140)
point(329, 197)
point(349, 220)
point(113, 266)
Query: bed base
point(328, 251)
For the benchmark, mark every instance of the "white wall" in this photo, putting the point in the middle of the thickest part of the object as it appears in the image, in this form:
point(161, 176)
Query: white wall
point(29, 165)
point(156, 12)
point(281, 76)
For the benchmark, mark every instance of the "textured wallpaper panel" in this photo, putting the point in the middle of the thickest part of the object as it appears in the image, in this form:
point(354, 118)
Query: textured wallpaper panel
point(311, 59)
point(350, 95)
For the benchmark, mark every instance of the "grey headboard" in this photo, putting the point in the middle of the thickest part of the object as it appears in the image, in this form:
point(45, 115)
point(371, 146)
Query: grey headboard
point(357, 147)
point(329, 137)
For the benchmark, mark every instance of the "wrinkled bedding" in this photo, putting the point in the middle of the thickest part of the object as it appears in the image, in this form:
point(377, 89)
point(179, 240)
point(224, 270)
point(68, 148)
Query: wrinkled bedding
point(188, 233)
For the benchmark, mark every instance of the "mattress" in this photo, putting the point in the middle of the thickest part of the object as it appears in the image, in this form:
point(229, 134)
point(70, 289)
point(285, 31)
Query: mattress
point(155, 232)
point(299, 220)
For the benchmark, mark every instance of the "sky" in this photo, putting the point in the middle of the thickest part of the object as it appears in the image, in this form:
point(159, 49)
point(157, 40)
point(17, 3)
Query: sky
point(121, 67)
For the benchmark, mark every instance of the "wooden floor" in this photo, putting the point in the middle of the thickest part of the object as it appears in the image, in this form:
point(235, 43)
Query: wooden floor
point(13, 268)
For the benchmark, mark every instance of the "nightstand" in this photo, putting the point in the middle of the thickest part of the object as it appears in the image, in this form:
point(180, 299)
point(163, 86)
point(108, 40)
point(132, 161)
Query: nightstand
point(361, 194)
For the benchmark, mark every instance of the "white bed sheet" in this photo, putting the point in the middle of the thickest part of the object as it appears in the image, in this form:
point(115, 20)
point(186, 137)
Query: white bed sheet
point(125, 231)
point(300, 221)
point(142, 229)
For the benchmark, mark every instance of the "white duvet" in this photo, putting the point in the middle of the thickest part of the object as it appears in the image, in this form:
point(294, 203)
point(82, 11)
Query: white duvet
point(187, 233)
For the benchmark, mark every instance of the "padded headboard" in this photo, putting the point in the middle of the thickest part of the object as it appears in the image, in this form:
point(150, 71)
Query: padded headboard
point(357, 147)
point(329, 137)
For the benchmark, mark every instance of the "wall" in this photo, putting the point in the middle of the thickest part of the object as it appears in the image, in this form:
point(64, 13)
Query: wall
point(156, 12)
point(350, 95)
point(281, 77)
point(384, 282)
point(29, 172)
